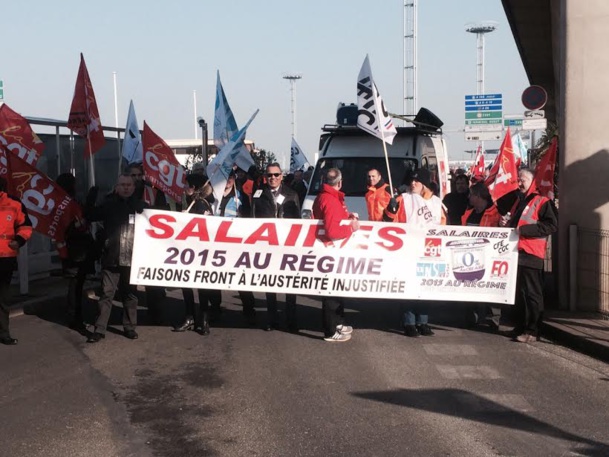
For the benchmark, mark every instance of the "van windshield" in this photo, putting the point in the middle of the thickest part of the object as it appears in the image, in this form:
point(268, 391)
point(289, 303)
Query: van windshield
point(355, 170)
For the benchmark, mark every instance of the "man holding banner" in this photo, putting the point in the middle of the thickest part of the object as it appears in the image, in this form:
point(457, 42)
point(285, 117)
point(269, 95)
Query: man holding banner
point(330, 207)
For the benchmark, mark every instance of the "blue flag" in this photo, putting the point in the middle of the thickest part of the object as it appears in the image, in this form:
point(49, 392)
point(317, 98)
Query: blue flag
point(132, 143)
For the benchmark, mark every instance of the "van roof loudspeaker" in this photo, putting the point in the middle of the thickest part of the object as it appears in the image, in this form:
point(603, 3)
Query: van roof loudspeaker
point(427, 120)
point(346, 114)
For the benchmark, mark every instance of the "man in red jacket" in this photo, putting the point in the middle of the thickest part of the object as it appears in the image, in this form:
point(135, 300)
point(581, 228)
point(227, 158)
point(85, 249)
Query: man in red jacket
point(15, 230)
point(330, 207)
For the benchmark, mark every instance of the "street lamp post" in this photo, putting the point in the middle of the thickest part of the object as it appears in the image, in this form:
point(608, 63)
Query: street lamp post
point(203, 126)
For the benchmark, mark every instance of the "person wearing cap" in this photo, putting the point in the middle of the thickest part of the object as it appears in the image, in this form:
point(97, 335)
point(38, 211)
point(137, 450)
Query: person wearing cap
point(418, 207)
point(277, 200)
point(378, 195)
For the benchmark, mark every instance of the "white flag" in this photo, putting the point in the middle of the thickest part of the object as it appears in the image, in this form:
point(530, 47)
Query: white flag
point(222, 165)
point(297, 157)
point(225, 127)
point(371, 113)
point(132, 143)
point(520, 150)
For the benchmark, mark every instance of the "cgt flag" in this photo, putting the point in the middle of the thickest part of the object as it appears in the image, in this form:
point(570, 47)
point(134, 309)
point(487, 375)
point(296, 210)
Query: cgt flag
point(503, 177)
point(220, 168)
point(477, 170)
point(544, 172)
point(49, 207)
point(84, 115)
point(161, 168)
point(297, 157)
point(17, 136)
point(225, 127)
point(371, 113)
point(132, 144)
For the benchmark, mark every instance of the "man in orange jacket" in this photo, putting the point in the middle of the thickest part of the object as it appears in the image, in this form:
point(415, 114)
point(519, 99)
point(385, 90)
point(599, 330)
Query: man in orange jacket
point(378, 195)
point(15, 230)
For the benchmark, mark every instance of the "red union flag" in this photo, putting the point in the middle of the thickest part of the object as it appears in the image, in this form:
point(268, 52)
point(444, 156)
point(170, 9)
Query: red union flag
point(503, 177)
point(544, 172)
point(477, 169)
point(17, 136)
point(84, 115)
point(49, 208)
point(161, 168)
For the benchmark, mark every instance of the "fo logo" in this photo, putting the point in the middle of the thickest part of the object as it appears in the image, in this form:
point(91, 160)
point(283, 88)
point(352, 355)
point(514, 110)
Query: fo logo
point(499, 269)
point(433, 247)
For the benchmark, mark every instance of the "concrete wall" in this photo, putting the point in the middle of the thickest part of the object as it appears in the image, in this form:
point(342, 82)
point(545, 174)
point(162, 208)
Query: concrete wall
point(582, 30)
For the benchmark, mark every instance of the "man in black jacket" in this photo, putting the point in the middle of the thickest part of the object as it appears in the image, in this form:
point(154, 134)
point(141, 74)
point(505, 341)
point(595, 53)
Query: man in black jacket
point(117, 213)
point(276, 200)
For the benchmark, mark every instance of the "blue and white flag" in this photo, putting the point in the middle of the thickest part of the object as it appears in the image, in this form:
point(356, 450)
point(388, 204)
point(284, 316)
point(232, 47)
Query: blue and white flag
point(225, 127)
point(297, 157)
point(520, 150)
point(132, 143)
point(222, 165)
point(371, 113)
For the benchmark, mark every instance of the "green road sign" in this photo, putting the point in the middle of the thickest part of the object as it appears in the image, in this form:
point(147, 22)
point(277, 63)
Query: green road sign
point(484, 115)
point(512, 122)
point(482, 121)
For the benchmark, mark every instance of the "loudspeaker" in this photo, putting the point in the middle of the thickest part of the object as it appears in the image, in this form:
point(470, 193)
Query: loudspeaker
point(346, 114)
point(426, 118)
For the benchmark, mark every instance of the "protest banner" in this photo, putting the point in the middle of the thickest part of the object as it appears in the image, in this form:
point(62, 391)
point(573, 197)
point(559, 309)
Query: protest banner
point(381, 260)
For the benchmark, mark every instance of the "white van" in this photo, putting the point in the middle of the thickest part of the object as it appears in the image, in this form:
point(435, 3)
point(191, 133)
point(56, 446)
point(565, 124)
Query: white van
point(354, 151)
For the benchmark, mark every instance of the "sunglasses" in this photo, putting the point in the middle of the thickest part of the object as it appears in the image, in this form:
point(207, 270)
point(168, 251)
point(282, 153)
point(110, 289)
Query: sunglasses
point(273, 175)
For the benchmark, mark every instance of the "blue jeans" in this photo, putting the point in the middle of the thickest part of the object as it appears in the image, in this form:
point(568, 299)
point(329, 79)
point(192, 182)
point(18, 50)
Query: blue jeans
point(417, 313)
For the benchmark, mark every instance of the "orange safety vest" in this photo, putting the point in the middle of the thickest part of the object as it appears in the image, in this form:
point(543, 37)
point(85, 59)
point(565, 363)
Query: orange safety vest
point(13, 222)
point(490, 218)
point(377, 199)
point(530, 215)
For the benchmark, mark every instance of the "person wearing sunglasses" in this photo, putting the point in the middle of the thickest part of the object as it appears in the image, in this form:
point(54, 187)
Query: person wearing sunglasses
point(274, 199)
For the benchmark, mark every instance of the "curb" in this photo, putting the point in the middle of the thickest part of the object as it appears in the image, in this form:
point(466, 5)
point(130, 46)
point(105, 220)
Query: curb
point(579, 343)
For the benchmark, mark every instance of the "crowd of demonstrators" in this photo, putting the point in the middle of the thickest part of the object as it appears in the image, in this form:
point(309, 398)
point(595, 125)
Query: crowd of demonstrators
point(377, 196)
point(534, 218)
point(421, 207)
point(482, 213)
point(277, 200)
point(15, 230)
point(330, 207)
point(199, 200)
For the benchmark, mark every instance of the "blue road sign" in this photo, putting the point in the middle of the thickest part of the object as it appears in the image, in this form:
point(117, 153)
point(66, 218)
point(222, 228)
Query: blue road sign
point(483, 97)
point(483, 108)
point(496, 101)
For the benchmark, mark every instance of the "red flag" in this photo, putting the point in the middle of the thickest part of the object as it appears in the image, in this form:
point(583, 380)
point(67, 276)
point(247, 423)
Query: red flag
point(49, 207)
point(84, 115)
point(161, 168)
point(544, 172)
point(17, 136)
point(477, 170)
point(503, 177)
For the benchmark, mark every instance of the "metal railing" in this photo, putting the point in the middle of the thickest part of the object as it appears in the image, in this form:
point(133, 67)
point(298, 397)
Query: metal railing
point(593, 270)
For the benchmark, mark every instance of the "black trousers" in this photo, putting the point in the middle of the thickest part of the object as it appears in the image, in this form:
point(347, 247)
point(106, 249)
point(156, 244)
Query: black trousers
point(76, 275)
point(6, 273)
point(529, 299)
point(333, 313)
point(114, 279)
point(290, 308)
point(207, 297)
point(249, 302)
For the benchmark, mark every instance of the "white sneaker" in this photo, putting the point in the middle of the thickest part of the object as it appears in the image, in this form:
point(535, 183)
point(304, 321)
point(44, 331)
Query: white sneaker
point(338, 337)
point(344, 329)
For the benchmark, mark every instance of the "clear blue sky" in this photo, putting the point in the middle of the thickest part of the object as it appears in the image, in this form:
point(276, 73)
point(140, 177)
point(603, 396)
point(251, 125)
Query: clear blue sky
point(162, 51)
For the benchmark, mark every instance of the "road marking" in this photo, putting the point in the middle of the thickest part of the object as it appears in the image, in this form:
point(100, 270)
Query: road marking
point(450, 349)
point(468, 372)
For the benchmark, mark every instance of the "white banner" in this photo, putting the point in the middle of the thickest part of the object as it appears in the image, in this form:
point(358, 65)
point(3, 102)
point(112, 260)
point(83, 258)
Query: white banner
point(381, 260)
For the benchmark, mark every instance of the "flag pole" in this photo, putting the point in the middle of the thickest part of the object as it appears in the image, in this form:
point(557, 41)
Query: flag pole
point(376, 104)
point(91, 163)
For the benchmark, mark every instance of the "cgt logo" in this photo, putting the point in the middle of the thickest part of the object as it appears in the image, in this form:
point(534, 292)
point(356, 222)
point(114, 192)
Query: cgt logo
point(433, 247)
point(499, 269)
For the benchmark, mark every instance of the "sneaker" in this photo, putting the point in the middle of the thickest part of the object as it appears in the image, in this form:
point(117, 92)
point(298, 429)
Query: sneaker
point(411, 331)
point(344, 329)
point(425, 330)
point(338, 337)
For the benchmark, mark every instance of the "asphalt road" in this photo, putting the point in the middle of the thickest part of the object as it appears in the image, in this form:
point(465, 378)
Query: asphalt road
point(245, 392)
